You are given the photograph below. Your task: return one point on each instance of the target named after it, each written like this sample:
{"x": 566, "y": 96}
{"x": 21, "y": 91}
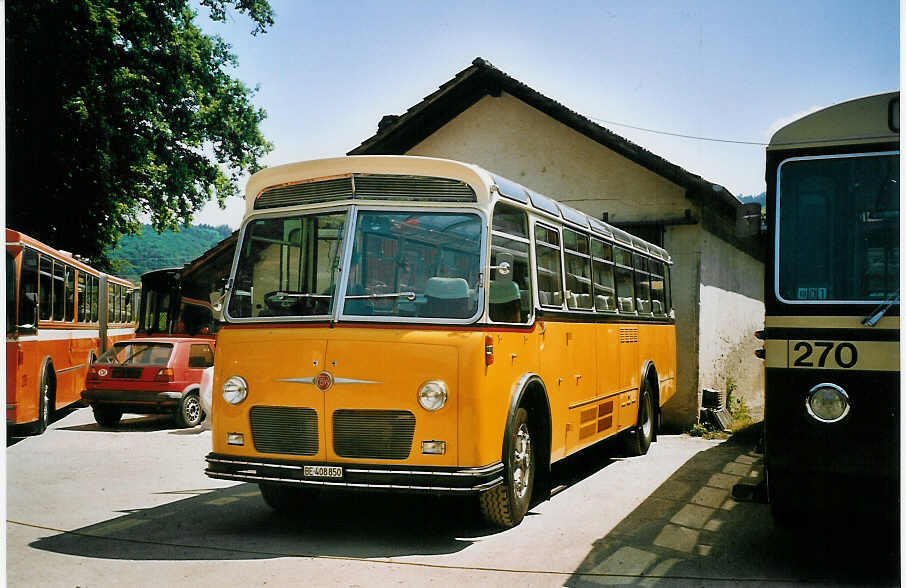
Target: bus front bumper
{"x": 382, "y": 478}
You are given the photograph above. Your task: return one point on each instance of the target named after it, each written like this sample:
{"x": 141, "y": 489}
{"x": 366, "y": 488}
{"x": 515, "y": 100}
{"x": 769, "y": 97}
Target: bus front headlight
{"x": 235, "y": 389}
{"x": 827, "y": 403}
{"x": 432, "y": 395}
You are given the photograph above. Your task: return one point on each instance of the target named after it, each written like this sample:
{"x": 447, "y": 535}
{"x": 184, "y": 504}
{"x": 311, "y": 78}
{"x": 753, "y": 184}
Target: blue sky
{"x": 328, "y": 71}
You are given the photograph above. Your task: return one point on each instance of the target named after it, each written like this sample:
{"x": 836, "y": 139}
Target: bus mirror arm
{"x": 504, "y": 267}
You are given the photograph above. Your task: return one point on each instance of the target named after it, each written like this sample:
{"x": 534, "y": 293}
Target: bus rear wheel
{"x": 506, "y": 505}
{"x": 638, "y": 439}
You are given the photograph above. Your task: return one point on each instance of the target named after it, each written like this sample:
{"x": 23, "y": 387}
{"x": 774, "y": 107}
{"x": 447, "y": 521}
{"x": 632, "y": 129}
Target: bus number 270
{"x": 817, "y": 353}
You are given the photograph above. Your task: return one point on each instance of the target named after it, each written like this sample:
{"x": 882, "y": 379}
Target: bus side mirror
{"x": 748, "y": 220}
{"x": 504, "y": 267}
{"x": 217, "y": 297}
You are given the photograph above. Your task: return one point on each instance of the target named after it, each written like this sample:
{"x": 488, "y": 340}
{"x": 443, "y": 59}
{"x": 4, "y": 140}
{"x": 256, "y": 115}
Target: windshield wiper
{"x": 282, "y": 294}
{"x": 410, "y": 296}
{"x": 876, "y": 315}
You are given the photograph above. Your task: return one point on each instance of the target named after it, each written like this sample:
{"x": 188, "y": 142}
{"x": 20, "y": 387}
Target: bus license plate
{"x": 322, "y": 471}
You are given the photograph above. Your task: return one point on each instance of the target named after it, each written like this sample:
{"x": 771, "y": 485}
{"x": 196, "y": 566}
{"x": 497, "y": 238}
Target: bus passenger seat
{"x": 625, "y": 304}
{"x": 584, "y": 300}
{"x": 447, "y": 297}
{"x": 504, "y": 302}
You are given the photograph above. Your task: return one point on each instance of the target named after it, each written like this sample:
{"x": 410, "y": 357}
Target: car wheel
{"x": 285, "y": 499}
{"x": 638, "y": 439}
{"x": 106, "y": 416}
{"x": 506, "y": 504}
{"x": 189, "y": 413}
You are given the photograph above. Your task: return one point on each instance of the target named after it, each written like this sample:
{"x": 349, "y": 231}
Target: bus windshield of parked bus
{"x": 403, "y": 264}
{"x": 838, "y": 228}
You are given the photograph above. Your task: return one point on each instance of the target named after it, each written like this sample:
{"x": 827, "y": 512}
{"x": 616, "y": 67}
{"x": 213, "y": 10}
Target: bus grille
{"x": 376, "y": 434}
{"x": 284, "y": 429}
{"x": 367, "y": 187}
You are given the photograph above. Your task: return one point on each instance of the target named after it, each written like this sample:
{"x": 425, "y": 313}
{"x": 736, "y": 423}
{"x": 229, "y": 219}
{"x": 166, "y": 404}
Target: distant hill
{"x": 759, "y": 198}
{"x": 150, "y": 250}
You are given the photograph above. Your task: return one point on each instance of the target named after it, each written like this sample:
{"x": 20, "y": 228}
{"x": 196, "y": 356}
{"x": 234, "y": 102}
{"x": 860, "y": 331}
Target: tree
{"x": 121, "y": 108}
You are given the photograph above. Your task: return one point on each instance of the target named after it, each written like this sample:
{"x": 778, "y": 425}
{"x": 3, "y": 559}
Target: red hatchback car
{"x": 149, "y": 376}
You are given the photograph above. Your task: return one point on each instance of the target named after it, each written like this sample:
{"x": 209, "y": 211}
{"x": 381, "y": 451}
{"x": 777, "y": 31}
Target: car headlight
{"x": 235, "y": 389}
{"x": 432, "y": 395}
{"x": 827, "y": 403}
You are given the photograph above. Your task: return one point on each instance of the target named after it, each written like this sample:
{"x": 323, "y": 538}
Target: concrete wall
{"x": 684, "y": 242}
{"x": 732, "y": 309}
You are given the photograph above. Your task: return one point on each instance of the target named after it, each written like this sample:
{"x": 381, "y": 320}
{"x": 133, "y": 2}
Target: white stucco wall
{"x": 732, "y": 309}
{"x": 507, "y": 136}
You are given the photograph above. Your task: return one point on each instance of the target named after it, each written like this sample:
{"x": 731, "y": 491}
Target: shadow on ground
{"x": 130, "y": 424}
{"x": 234, "y": 523}
{"x": 691, "y": 532}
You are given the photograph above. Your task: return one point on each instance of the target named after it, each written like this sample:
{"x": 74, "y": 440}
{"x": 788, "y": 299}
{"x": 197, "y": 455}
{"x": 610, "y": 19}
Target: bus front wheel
{"x": 506, "y": 505}
{"x": 45, "y": 398}
{"x": 284, "y": 499}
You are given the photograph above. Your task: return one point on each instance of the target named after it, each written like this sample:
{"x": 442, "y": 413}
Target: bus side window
{"x": 69, "y": 312}
{"x": 602, "y": 273}
{"x": 510, "y": 300}
{"x": 28, "y": 292}
{"x": 58, "y": 289}
{"x": 46, "y": 289}
{"x": 82, "y": 298}
{"x": 624, "y": 281}
{"x": 547, "y": 262}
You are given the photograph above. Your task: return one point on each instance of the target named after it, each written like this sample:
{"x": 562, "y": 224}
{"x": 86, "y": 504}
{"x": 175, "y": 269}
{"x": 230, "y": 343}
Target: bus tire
{"x": 45, "y": 397}
{"x": 505, "y": 505}
{"x": 638, "y": 439}
{"x": 189, "y": 413}
{"x": 106, "y": 416}
{"x": 284, "y": 499}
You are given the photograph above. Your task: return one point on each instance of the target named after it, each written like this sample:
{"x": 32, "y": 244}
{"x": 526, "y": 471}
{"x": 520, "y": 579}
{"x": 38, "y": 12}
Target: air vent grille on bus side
{"x": 373, "y": 434}
{"x": 368, "y": 187}
{"x": 284, "y": 429}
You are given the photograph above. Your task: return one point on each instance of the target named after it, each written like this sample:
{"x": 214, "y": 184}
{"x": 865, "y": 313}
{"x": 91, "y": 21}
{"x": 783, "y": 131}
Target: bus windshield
{"x": 287, "y": 266}
{"x": 838, "y": 229}
{"x": 414, "y": 264}
{"x": 403, "y": 264}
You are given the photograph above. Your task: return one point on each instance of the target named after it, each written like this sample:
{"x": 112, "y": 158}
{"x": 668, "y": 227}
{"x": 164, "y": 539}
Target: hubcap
{"x": 45, "y": 402}
{"x": 522, "y": 460}
{"x": 193, "y": 410}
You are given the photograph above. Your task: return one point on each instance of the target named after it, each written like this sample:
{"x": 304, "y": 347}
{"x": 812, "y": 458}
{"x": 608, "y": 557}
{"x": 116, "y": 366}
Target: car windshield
{"x": 838, "y": 229}
{"x": 414, "y": 264}
{"x": 137, "y": 353}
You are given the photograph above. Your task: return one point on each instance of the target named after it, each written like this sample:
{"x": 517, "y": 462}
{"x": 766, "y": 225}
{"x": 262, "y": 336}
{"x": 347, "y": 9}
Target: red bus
{"x": 60, "y": 315}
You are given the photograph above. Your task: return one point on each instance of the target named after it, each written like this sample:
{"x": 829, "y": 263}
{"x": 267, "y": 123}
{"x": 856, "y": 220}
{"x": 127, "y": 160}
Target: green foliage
{"x": 121, "y": 110}
{"x": 698, "y": 430}
{"x": 148, "y": 250}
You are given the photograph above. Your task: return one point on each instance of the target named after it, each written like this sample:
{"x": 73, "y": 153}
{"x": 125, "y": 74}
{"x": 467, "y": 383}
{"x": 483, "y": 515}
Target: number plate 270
{"x": 823, "y": 354}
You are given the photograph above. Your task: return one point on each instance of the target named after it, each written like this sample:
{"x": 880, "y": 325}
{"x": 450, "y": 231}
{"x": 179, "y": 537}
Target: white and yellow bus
{"x": 422, "y": 325}
{"x": 832, "y": 305}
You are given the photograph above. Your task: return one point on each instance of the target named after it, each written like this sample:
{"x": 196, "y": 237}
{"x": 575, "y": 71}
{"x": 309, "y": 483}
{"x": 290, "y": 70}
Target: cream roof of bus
{"x": 480, "y": 179}
{"x": 860, "y": 121}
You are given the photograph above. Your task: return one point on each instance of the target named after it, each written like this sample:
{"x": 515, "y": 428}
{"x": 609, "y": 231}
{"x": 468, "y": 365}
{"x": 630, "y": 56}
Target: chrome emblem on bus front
{"x": 323, "y": 381}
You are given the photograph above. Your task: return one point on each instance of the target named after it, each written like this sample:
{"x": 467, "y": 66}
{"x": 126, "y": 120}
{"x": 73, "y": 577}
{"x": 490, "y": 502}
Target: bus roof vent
{"x": 307, "y": 193}
{"x": 367, "y": 187}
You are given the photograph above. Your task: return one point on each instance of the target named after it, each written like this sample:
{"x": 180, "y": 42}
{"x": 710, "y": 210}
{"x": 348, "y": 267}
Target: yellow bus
{"x": 413, "y": 324}
{"x": 832, "y": 306}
